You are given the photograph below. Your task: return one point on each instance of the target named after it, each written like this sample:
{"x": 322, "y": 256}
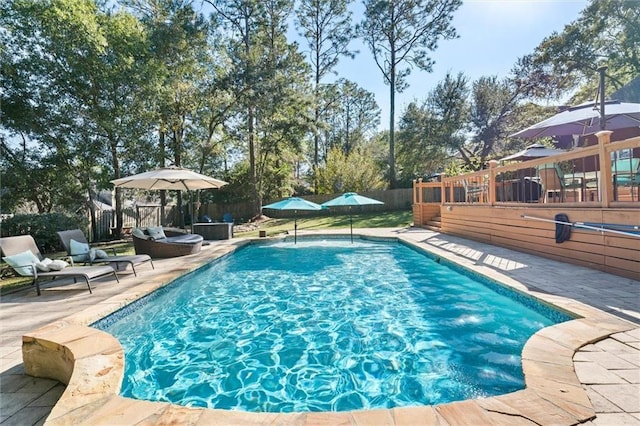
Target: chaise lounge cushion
{"x": 22, "y": 262}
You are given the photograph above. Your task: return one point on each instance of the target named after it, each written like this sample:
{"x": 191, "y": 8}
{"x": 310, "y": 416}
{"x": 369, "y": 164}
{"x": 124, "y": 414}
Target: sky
{"x": 493, "y": 34}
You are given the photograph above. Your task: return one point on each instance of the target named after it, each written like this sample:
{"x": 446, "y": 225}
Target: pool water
{"x": 325, "y": 326}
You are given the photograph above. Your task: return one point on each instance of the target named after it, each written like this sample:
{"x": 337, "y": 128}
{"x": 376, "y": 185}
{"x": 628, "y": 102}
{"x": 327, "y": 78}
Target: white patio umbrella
{"x": 535, "y": 150}
{"x": 584, "y": 119}
{"x": 350, "y": 199}
{"x": 174, "y": 178}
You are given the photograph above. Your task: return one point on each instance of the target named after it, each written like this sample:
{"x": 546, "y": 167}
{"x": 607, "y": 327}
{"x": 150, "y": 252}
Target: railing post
{"x": 606, "y": 180}
{"x": 443, "y": 190}
{"x": 492, "y": 179}
{"x": 417, "y": 199}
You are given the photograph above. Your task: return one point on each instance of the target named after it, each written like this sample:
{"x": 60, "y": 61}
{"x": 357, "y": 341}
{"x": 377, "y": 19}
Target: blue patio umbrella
{"x": 350, "y": 199}
{"x": 295, "y": 204}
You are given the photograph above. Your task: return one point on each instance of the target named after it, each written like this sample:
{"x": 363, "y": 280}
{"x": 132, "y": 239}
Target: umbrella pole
{"x": 191, "y": 208}
{"x": 295, "y": 228}
{"x": 351, "y": 224}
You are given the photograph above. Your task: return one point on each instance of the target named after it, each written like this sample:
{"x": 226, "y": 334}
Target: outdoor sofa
{"x": 162, "y": 243}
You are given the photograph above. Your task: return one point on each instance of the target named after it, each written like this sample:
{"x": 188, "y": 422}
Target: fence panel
{"x": 393, "y": 199}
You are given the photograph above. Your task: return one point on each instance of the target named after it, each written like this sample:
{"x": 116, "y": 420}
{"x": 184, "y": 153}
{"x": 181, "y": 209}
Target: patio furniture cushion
{"x": 156, "y": 232}
{"x": 80, "y": 252}
{"x": 22, "y": 262}
{"x": 627, "y": 171}
{"x": 74, "y": 242}
{"x": 174, "y": 244}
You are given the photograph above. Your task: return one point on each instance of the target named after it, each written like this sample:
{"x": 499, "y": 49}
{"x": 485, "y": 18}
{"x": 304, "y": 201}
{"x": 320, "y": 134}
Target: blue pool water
{"x": 325, "y": 326}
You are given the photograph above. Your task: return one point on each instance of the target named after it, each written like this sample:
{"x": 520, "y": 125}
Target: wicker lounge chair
{"x": 78, "y": 235}
{"x": 15, "y": 246}
{"x": 175, "y": 244}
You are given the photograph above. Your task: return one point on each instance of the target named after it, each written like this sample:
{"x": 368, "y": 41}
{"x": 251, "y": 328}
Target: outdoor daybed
{"x": 161, "y": 243}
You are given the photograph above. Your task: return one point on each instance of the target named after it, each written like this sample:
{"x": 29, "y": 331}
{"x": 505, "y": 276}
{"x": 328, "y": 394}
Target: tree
{"x": 326, "y": 26}
{"x": 79, "y": 72}
{"x": 243, "y": 19}
{"x": 430, "y": 134}
{"x": 355, "y": 172}
{"x": 404, "y": 32}
{"x": 270, "y": 82}
{"x": 493, "y": 104}
{"x": 353, "y": 116}
{"x": 606, "y": 33}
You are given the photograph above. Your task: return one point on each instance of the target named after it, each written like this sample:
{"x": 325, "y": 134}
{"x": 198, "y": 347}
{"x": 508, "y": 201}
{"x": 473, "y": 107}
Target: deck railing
{"x": 603, "y": 175}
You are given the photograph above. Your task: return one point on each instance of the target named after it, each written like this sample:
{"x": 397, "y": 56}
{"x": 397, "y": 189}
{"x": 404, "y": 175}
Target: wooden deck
{"x": 506, "y": 206}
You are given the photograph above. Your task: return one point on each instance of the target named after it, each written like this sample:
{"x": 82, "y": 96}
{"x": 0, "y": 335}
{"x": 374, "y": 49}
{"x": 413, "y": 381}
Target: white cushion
{"x": 21, "y": 262}
{"x": 139, "y": 233}
{"x": 100, "y": 254}
{"x": 43, "y": 266}
{"x": 58, "y": 265}
{"x": 156, "y": 232}
{"x": 79, "y": 251}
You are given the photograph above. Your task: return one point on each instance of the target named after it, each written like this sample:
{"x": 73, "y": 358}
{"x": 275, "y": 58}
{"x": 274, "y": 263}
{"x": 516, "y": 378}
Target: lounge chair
{"x": 164, "y": 243}
{"x": 474, "y": 191}
{"x": 83, "y": 255}
{"x": 554, "y": 183}
{"x": 23, "y": 252}
{"x": 626, "y": 173}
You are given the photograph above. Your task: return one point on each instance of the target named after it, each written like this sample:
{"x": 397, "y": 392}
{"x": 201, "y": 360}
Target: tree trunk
{"x": 392, "y": 108}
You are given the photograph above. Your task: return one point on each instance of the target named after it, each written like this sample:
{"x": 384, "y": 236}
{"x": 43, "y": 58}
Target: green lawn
{"x": 272, "y": 226}
{"x": 370, "y": 220}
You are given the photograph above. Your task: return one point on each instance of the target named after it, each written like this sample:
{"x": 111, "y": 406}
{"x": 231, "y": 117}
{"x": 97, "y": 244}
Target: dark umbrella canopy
{"x": 584, "y": 119}
{"x": 350, "y": 199}
{"x": 535, "y": 150}
{"x": 295, "y": 204}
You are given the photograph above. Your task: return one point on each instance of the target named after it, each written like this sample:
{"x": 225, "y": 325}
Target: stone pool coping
{"x": 91, "y": 363}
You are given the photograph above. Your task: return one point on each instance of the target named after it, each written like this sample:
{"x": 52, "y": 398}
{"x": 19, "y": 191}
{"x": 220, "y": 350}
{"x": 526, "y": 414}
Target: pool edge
{"x": 91, "y": 363}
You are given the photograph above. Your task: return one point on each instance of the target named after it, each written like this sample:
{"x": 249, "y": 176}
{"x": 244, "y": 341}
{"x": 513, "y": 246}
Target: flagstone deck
{"x": 585, "y": 370}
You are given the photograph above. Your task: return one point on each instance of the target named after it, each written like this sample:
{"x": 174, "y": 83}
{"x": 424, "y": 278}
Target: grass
{"x": 370, "y": 220}
{"x": 272, "y": 226}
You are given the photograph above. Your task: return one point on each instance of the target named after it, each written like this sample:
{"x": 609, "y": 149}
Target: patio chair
{"x": 626, "y": 173}
{"x": 474, "y": 191}
{"x": 82, "y": 252}
{"x": 23, "y": 255}
{"x": 553, "y": 182}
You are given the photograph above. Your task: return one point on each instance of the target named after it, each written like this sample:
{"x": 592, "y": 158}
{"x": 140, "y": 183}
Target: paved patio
{"x": 609, "y": 369}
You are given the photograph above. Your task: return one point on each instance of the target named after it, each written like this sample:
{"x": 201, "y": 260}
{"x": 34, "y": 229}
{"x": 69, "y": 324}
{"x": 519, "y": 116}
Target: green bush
{"x": 42, "y": 227}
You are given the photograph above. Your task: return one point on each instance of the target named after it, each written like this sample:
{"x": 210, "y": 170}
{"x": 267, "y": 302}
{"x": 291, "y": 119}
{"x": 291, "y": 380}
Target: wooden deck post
{"x": 606, "y": 180}
{"x": 492, "y": 181}
{"x": 417, "y": 198}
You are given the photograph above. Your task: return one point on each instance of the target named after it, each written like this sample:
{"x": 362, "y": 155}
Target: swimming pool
{"x": 325, "y": 326}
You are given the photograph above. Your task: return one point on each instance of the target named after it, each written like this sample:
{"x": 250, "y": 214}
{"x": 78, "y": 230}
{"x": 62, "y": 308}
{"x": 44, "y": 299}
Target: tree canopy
{"x": 91, "y": 91}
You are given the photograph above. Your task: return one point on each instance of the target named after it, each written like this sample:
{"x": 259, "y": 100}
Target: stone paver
{"x": 608, "y": 369}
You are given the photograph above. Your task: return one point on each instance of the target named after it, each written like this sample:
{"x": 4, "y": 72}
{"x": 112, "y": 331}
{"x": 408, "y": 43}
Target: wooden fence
{"x": 150, "y": 215}
{"x": 393, "y": 199}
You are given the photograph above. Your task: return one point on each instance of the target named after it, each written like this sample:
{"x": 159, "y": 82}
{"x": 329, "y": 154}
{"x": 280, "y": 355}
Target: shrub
{"x": 42, "y": 227}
